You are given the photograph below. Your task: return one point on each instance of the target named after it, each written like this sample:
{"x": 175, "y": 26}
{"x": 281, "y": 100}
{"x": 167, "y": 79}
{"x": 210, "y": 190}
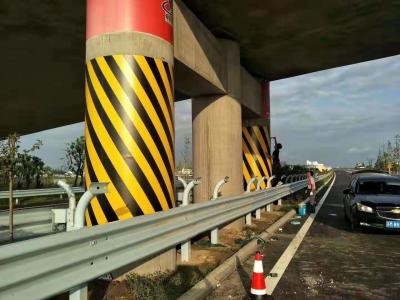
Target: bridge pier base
{"x": 130, "y": 112}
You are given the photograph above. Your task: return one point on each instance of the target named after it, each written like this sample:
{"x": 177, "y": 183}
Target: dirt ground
{"x": 205, "y": 257}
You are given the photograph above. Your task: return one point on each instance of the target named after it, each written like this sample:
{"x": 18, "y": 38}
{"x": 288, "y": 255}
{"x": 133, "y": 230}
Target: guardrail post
{"x": 186, "y": 246}
{"x": 96, "y": 188}
{"x": 214, "y": 232}
{"x": 248, "y": 190}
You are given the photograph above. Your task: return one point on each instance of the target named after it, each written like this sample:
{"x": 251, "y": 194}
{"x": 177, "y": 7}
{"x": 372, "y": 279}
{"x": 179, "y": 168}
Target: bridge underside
{"x": 42, "y": 73}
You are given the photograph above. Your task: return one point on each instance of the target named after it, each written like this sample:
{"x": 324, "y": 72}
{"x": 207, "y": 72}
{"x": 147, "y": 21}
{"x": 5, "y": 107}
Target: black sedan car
{"x": 373, "y": 200}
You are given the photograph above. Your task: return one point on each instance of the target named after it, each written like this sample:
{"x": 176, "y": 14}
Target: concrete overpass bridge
{"x": 139, "y": 57}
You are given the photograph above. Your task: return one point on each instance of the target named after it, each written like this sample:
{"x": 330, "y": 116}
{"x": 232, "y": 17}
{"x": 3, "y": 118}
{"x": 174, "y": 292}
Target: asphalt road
{"x": 335, "y": 263}
{"x": 331, "y": 263}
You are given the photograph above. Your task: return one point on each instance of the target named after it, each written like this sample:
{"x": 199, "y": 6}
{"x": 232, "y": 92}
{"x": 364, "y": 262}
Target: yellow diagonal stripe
{"x": 138, "y": 123}
{"x": 252, "y": 163}
{"x": 247, "y": 176}
{"x": 255, "y": 150}
{"x": 263, "y": 145}
{"x": 141, "y": 61}
{"x": 117, "y": 160}
{"x": 127, "y": 139}
{"x": 165, "y": 80}
{"x": 87, "y": 217}
{"x": 267, "y": 137}
{"x": 97, "y": 211}
{"x": 113, "y": 196}
{"x": 144, "y": 99}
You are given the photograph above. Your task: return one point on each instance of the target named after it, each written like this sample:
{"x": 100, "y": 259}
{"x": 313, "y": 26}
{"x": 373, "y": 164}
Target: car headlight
{"x": 364, "y": 208}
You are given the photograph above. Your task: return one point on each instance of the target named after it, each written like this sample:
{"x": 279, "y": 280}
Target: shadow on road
{"x": 244, "y": 278}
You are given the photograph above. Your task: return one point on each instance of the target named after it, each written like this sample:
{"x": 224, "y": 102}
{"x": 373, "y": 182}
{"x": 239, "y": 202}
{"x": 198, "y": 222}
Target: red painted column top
{"x": 147, "y": 16}
{"x": 265, "y": 100}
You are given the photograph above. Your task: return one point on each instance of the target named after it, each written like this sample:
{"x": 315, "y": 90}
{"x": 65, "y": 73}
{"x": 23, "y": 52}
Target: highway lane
{"x": 28, "y": 222}
{"x": 331, "y": 263}
{"x": 335, "y": 263}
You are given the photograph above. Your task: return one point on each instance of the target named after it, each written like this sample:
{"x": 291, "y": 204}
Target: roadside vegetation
{"x": 389, "y": 157}
{"x": 23, "y": 169}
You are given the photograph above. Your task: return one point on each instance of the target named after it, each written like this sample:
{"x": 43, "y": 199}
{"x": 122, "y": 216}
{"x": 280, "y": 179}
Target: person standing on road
{"x": 311, "y": 190}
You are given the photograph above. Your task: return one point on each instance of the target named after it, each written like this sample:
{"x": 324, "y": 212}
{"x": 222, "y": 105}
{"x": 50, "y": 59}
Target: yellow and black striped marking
{"x": 129, "y": 136}
{"x": 256, "y": 147}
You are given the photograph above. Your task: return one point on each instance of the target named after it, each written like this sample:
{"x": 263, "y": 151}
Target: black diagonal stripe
{"x": 128, "y": 198}
{"x": 264, "y": 156}
{"x": 249, "y": 169}
{"x": 169, "y": 75}
{"x": 150, "y": 93}
{"x": 91, "y": 215}
{"x": 254, "y": 156}
{"x": 264, "y": 135}
{"x": 137, "y": 137}
{"x": 152, "y": 64}
{"x": 246, "y": 165}
{"x": 133, "y": 132}
{"x": 103, "y": 199}
{"x": 124, "y": 151}
{"x": 139, "y": 109}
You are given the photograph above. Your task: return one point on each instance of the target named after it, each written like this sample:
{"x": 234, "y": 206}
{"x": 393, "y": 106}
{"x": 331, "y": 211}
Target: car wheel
{"x": 354, "y": 225}
{"x": 345, "y": 213}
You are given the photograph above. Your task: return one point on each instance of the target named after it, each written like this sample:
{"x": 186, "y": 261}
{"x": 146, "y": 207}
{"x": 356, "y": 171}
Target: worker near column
{"x": 311, "y": 190}
{"x": 276, "y": 163}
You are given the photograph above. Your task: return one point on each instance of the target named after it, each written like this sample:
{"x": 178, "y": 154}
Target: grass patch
{"x": 164, "y": 285}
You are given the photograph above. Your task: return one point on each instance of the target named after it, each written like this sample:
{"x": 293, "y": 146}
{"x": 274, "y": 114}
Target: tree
{"x": 186, "y": 152}
{"x": 75, "y": 157}
{"x": 8, "y": 158}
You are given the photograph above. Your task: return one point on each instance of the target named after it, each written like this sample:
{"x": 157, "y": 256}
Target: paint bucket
{"x": 302, "y": 210}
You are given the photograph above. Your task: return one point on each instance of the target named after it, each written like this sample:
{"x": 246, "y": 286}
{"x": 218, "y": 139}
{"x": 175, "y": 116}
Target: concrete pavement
{"x": 331, "y": 263}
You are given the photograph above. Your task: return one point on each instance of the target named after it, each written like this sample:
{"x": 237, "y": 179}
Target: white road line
{"x": 284, "y": 260}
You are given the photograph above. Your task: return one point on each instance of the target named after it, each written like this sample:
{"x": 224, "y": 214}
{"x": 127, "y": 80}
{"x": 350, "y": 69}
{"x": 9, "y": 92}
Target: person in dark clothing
{"x": 276, "y": 163}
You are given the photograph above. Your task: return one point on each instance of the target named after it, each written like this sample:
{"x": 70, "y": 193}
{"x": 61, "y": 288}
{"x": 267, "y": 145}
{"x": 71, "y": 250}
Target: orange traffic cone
{"x": 258, "y": 289}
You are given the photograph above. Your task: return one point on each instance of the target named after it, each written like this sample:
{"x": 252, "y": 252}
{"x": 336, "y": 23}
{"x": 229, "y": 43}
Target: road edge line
{"x": 286, "y": 257}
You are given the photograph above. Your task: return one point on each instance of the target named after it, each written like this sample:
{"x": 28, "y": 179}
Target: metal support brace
{"x": 96, "y": 188}
{"x": 186, "y": 246}
{"x": 179, "y": 194}
{"x": 71, "y": 205}
{"x": 218, "y": 187}
{"x": 258, "y": 211}
{"x": 269, "y": 185}
{"x": 188, "y": 188}
{"x": 250, "y": 183}
{"x": 183, "y": 181}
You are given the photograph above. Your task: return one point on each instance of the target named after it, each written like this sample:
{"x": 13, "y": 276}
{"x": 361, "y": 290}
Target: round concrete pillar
{"x": 130, "y": 110}
{"x": 217, "y": 145}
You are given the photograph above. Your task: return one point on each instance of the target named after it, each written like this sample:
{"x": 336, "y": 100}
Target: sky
{"x": 338, "y": 116}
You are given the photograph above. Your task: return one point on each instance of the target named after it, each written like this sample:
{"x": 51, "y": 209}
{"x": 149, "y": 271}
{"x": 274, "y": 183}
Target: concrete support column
{"x": 130, "y": 111}
{"x": 217, "y": 145}
{"x": 257, "y": 143}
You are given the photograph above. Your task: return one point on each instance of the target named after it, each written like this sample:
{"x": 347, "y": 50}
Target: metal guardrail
{"x": 38, "y": 192}
{"x": 46, "y": 266}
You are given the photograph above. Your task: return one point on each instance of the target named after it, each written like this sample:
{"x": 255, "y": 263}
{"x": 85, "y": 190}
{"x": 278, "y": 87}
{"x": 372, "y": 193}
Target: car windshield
{"x": 379, "y": 187}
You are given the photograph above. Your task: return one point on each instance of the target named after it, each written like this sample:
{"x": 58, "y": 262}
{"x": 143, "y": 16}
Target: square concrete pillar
{"x": 217, "y": 146}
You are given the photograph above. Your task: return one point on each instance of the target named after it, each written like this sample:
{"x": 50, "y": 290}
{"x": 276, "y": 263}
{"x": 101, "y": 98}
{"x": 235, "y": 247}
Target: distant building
{"x": 185, "y": 172}
{"x": 360, "y": 166}
{"x": 316, "y": 165}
